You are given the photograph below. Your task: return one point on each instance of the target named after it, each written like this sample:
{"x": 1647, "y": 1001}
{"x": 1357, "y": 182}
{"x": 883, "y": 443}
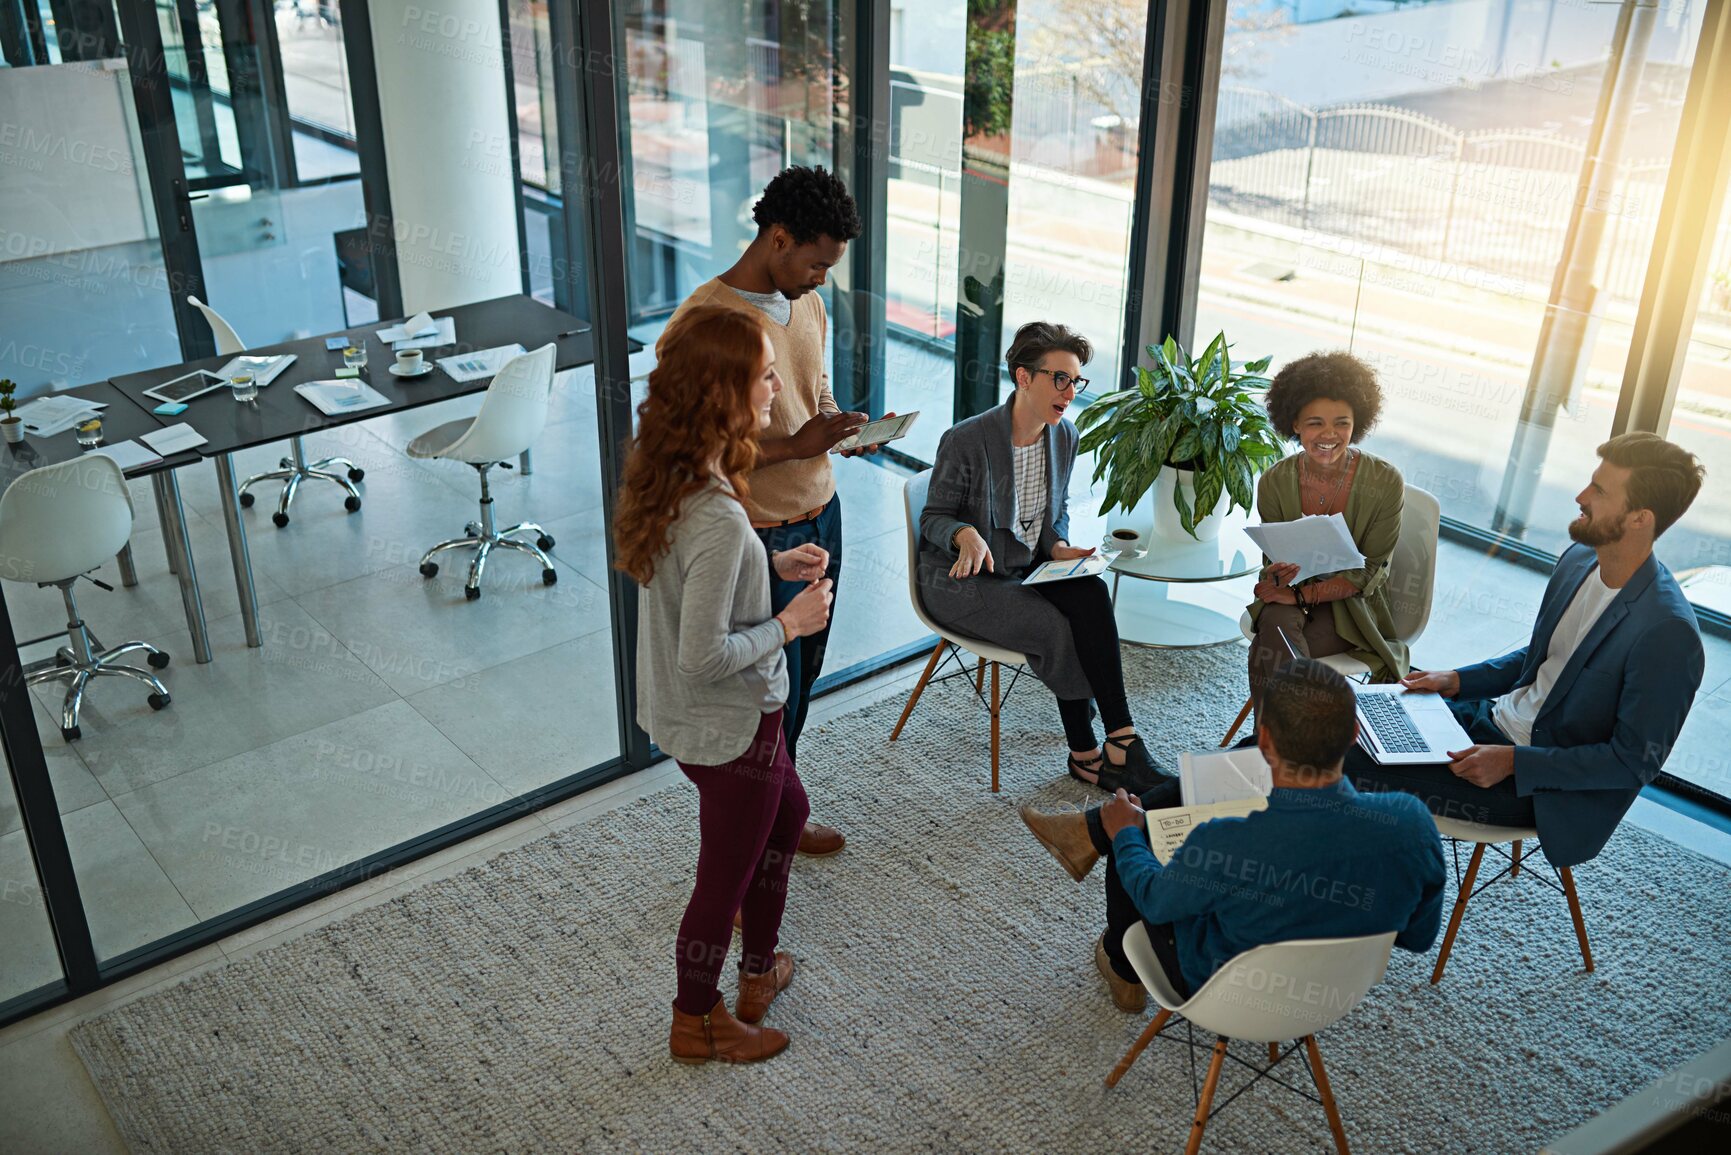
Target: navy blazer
{"x": 974, "y": 483}
{"x": 1616, "y": 709}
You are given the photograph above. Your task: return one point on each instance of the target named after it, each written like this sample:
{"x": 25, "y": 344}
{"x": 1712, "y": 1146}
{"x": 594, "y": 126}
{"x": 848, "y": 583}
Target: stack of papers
{"x": 1216, "y": 784}
{"x": 480, "y": 363}
{"x": 420, "y": 332}
{"x": 264, "y": 369}
{"x": 172, "y": 439}
{"x": 1316, "y": 545}
{"x": 334, "y": 398}
{"x": 55, "y": 413}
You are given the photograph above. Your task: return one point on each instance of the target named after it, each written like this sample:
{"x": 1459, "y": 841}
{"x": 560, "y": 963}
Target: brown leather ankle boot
{"x": 756, "y": 992}
{"x": 719, "y": 1036}
{"x": 1066, "y": 837}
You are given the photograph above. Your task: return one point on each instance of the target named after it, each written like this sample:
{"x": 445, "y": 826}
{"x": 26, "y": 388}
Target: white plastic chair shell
{"x": 62, "y": 520}
{"x": 513, "y": 413}
{"x": 227, "y": 340}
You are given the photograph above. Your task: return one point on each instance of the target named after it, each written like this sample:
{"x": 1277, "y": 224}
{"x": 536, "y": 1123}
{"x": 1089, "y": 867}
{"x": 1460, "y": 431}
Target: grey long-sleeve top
{"x": 709, "y": 652}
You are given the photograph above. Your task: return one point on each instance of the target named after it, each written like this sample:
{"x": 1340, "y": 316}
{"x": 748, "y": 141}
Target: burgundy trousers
{"x": 750, "y": 815}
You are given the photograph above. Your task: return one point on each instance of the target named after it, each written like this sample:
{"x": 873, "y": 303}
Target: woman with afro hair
{"x": 1326, "y": 403}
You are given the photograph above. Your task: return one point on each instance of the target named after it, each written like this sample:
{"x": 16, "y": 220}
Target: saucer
{"x": 426, "y": 367}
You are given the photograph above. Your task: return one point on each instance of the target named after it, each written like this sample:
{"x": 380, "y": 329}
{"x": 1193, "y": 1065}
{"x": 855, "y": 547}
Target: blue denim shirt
{"x": 1327, "y": 862}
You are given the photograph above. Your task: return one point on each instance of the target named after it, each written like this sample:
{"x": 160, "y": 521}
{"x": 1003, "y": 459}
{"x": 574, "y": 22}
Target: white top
{"x": 1030, "y": 491}
{"x": 1515, "y": 712}
{"x": 775, "y": 306}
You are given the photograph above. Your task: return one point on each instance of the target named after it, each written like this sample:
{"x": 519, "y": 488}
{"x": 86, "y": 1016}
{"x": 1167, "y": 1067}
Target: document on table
{"x": 1315, "y": 544}
{"x": 444, "y": 332}
{"x": 420, "y": 325}
{"x": 1059, "y": 571}
{"x": 172, "y": 439}
{"x": 55, "y": 413}
{"x": 335, "y": 398}
{"x": 1223, "y": 776}
{"x": 128, "y": 455}
{"x": 1167, "y": 829}
{"x": 481, "y": 363}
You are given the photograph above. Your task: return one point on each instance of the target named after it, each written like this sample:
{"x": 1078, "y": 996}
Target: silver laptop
{"x": 1399, "y": 728}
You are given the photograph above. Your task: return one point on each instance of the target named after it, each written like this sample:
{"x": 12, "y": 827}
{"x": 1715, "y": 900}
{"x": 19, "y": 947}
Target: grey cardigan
{"x": 974, "y": 483}
{"x": 709, "y": 652}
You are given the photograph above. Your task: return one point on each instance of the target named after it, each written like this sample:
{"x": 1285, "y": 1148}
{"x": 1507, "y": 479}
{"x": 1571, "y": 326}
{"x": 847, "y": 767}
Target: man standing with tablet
{"x": 805, "y": 219}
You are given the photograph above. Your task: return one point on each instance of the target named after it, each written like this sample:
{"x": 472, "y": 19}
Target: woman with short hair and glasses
{"x": 997, "y": 507}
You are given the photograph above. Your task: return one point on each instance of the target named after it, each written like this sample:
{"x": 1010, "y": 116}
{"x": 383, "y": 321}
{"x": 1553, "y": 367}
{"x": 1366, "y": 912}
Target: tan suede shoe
{"x": 1127, "y": 997}
{"x": 756, "y": 992}
{"x": 719, "y": 1036}
{"x": 819, "y": 841}
{"x": 1066, "y": 836}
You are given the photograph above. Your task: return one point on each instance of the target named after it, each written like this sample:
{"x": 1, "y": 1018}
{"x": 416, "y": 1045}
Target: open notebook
{"x": 1217, "y": 784}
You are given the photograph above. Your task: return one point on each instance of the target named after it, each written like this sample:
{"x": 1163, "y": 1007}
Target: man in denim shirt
{"x": 1322, "y": 861}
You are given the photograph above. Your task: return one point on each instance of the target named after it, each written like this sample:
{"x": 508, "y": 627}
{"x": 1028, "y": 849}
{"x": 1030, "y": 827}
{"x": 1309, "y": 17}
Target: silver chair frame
{"x": 483, "y": 538}
{"x": 84, "y": 659}
{"x": 295, "y": 469}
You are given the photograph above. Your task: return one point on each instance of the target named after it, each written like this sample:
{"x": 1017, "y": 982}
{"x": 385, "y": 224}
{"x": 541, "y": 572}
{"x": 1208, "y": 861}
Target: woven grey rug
{"x": 945, "y": 999}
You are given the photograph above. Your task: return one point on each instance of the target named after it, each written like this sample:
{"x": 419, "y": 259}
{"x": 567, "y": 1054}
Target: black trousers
{"x": 1121, "y": 912}
{"x": 1087, "y": 604}
{"x": 1436, "y": 785}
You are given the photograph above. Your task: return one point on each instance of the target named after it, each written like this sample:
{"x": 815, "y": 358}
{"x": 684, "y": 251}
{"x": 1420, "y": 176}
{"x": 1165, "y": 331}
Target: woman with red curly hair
{"x": 712, "y": 681}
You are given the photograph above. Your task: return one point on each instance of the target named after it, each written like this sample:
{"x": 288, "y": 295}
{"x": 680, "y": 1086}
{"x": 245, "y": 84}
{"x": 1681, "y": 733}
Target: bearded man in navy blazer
{"x": 1567, "y": 729}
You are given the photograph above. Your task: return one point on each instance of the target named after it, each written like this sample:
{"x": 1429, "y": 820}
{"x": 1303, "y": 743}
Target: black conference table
{"x": 122, "y": 420}
{"x": 280, "y": 413}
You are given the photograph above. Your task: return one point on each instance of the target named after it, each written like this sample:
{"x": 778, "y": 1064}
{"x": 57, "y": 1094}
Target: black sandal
{"x": 1139, "y": 773}
{"x": 1093, "y": 765}
{"x": 1109, "y": 778}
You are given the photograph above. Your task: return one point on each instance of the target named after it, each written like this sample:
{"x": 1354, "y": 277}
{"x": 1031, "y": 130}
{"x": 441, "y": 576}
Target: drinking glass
{"x": 90, "y": 433}
{"x": 355, "y": 356}
{"x": 244, "y": 386}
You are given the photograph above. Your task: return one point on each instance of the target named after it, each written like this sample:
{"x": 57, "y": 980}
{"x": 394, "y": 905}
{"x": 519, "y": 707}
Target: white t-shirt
{"x": 1515, "y": 712}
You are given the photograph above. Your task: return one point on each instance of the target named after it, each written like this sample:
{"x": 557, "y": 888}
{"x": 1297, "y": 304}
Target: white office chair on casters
{"x": 1481, "y": 836}
{"x": 58, "y": 523}
{"x": 1271, "y": 994}
{"x": 950, "y": 643}
{"x": 512, "y": 416}
{"x": 293, "y": 469}
{"x": 1411, "y": 587}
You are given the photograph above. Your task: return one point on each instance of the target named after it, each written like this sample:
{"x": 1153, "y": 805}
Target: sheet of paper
{"x": 1060, "y": 571}
{"x": 1207, "y": 777}
{"x": 1315, "y": 544}
{"x": 264, "y": 369}
{"x": 339, "y": 397}
{"x": 444, "y": 333}
{"x": 420, "y": 325}
{"x": 1167, "y": 829}
{"x": 172, "y": 439}
{"x": 128, "y": 454}
{"x": 481, "y": 363}
{"x": 54, "y": 413}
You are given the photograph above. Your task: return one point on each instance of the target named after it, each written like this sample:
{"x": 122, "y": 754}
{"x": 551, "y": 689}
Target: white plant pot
{"x": 13, "y": 431}
{"x": 1166, "y": 525}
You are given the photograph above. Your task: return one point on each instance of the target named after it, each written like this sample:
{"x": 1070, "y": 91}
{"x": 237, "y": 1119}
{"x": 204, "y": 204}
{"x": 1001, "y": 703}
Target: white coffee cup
{"x": 409, "y": 361}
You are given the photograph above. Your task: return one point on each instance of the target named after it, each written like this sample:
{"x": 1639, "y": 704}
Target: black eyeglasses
{"x": 1062, "y": 380}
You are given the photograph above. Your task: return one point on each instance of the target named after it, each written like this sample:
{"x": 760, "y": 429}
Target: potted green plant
{"x": 1197, "y": 427}
{"x": 10, "y": 425}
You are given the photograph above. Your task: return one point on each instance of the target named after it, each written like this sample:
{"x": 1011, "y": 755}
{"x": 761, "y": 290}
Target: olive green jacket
{"x": 1373, "y": 507}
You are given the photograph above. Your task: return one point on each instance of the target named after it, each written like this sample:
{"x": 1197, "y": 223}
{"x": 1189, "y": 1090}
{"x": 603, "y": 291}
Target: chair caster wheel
{"x": 158, "y": 701}
{"x": 357, "y": 474}
{"x": 279, "y": 519}
{"x": 352, "y": 503}
{"x": 544, "y": 542}
{"x": 284, "y": 463}
{"x": 62, "y": 660}
{"x": 471, "y": 592}
{"x": 549, "y": 576}
{"x": 158, "y": 660}
{"x": 246, "y": 501}
{"x": 429, "y": 569}
{"x": 471, "y": 528}
{"x": 71, "y": 733}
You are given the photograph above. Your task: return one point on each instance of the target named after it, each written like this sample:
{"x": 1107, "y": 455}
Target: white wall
{"x": 447, "y": 150}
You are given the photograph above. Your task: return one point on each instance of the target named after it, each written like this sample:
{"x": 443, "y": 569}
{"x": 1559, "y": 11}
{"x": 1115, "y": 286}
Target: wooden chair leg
{"x": 1568, "y": 878}
{"x": 1515, "y": 866}
{"x": 920, "y": 688}
{"x": 994, "y": 727}
{"x": 1200, "y": 1123}
{"x": 1236, "y": 722}
{"x": 1466, "y": 891}
{"x": 980, "y": 677}
{"x": 1136, "y": 1048}
{"x": 1273, "y": 1053}
{"x": 1326, "y": 1094}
